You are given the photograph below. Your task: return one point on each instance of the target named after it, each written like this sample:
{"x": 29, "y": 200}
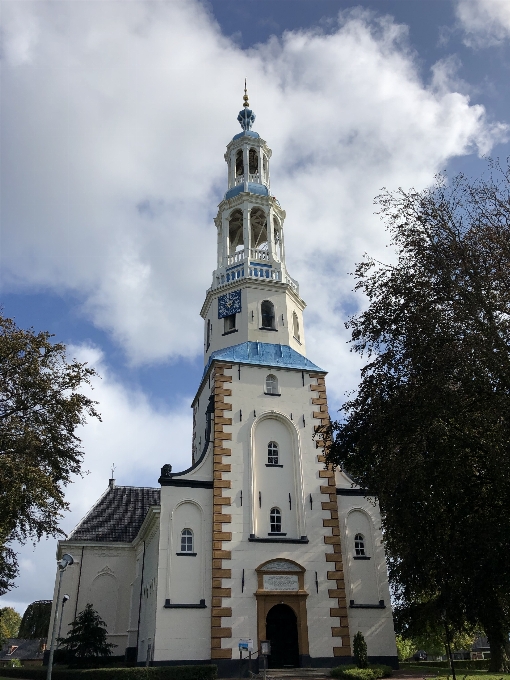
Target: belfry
{"x": 257, "y": 539}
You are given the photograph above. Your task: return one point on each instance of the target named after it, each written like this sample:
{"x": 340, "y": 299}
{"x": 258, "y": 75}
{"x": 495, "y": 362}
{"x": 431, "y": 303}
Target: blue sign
{"x": 228, "y": 304}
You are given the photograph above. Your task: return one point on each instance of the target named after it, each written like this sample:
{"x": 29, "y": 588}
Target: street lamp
{"x": 66, "y": 560}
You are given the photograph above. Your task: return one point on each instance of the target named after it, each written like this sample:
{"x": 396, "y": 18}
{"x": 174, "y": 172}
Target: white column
{"x": 260, "y": 155}
{"x": 225, "y": 239}
{"x": 246, "y": 231}
{"x": 270, "y": 234}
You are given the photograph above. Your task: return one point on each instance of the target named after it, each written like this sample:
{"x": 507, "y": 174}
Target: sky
{"x": 114, "y": 117}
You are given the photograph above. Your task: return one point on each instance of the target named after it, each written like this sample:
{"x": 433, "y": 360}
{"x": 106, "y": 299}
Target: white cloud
{"x": 114, "y": 121}
{"x": 485, "y": 22}
{"x": 136, "y": 437}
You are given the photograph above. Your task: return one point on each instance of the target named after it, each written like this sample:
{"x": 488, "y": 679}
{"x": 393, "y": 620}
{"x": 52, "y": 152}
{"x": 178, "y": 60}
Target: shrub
{"x": 206, "y": 672}
{"x": 373, "y": 672}
{"x": 360, "y": 650}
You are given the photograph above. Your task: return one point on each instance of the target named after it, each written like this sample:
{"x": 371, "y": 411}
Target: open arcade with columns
{"x": 257, "y": 539}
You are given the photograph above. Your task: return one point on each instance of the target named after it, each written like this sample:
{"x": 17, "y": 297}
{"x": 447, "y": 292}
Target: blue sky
{"x": 113, "y": 121}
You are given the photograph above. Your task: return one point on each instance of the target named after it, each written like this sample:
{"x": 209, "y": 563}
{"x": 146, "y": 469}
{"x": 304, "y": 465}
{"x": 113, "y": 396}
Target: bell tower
{"x": 252, "y": 296}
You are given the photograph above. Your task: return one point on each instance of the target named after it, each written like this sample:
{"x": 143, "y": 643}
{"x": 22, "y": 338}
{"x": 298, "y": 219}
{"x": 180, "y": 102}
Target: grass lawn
{"x": 461, "y": 673}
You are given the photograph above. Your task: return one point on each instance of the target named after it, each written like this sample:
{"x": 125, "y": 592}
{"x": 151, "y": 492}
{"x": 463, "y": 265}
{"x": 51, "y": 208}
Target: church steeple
{"x": 252, "y": 292}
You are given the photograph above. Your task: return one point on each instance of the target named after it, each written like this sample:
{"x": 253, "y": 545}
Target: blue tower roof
{"x": 251, "y": 187}
{"x": 263, "y": 354}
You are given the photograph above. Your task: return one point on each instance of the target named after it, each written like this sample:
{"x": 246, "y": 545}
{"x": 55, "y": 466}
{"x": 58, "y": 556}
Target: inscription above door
{"x": 280, "y": 582}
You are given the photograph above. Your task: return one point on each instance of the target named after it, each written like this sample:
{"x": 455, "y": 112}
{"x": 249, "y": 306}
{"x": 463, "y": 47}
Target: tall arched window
{"x": 295, "y": 326}
{"x": 208, "y": 334}
{"x": 253, "y": 158}
{"x": 359, "y": 545}
{"x": 186, "y": 541}
{"x": 267, "y": 312}
{"x": 275, "y": 519}
{"x": 271, "y": 384}
{"x": 239, "y": 163}
{"x": 272, "y": 453}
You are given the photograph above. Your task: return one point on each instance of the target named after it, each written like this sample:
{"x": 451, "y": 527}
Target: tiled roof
{"x": 29, "y": 650}
{"x": 264, "y": 354}
{"x": 117, "y": 516}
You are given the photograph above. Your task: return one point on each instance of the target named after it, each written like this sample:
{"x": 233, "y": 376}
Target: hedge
{"x": 373, "y": 672}
{"x": 461, "y": 664}
{"x": 208, "y": 672}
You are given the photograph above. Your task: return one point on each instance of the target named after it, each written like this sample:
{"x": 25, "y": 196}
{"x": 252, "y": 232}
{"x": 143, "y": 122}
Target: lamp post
{"x": 66, "y": 560}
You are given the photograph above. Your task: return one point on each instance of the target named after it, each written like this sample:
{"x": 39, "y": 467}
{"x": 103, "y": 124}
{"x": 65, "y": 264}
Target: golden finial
{"x": 245, "y": 102}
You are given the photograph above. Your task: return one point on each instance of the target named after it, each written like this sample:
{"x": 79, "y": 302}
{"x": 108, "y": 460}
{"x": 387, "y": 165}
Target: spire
{"x": 246, "y": 116}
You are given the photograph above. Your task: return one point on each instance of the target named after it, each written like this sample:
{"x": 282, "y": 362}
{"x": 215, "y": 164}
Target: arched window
{"x": 267, "y": 312}
{"x": 272, "y": 453}
{"x": 295, "y": 326}
{"x": 275, "y": 519}
{"x": 208, "y": 334}
{"x": 271, "y": 384}
{"x": 359, "y": 545}
{"x": 253, "y": 161}
{"x": 239, "y": 163}
{"x": 186, "y": 541}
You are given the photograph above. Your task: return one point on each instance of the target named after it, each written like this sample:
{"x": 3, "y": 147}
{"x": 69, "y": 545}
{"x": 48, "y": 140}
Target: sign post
{"x": 265, "y": 650}
{"x": 245, "y": 644}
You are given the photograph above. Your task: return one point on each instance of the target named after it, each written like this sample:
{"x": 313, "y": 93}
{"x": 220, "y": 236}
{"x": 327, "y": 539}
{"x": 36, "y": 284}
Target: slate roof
{"x": 28, "y": 650}
{"x": 117, "y": 516}
{"x": 264, "y": 354}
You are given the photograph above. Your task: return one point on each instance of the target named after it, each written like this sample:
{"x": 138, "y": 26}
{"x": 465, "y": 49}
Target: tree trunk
{"x": 497, "y": 635}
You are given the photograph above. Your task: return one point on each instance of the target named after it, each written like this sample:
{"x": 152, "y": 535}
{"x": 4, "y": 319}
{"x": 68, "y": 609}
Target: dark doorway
{"x": 281, "y": 630}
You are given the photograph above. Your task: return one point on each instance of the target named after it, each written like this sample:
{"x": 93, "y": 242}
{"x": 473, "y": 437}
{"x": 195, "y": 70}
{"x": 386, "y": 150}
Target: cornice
{"x": 248, "y": 282}
{"x": 254, "y": 199}
{"x": 248, "y": 141}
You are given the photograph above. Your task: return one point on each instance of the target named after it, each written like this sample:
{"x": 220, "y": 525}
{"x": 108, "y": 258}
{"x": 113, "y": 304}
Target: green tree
{"x": 9, "y": 623}
{"x": 360, "y": 650}
{"x": 405, "y": 648}
{"x": 428, "y": 431}
{"x": 40, "y": 409}
{"x": 36, "y": 620}
{"x": 87, "y": 637}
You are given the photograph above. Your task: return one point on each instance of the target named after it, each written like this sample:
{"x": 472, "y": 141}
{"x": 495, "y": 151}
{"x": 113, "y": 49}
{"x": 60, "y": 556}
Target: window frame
{"x": 227, "y": 320}
{"x": 184, "y": 546}
{"x": 276, "y": 522}
{"x": 272, "y": 391}
{"x": 360, "y": 551}
{"x": 263, "y": 315}
{"x": 273, "y": 459}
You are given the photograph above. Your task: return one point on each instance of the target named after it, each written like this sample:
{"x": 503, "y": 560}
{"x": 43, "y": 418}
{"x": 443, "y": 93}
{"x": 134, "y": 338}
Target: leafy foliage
{"x": 87, "y": 637}
{"x": 428, "y": 431}
{"x": 360, "y": 650}
{"x": 36, "y": 620}
{"x": 405, "y": 648}
{"x": 40, "y": 409}
{"x": 9, "y": 623}
{"x": 371, "y": 672}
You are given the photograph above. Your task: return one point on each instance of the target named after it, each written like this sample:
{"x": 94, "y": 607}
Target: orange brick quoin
{"x": 220, "y": 615}
{"x": 335, "y": 574}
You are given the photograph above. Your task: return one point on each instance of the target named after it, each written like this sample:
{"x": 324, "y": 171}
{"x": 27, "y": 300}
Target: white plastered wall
{"x": 185, "y": 633}
{"x": 102, "y": 575}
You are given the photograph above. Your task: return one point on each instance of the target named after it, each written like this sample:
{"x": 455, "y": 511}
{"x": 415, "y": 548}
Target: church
{"x": 257, "y": 539}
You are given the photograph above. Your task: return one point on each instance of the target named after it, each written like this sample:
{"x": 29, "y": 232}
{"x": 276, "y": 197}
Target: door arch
{"x": 282, "y": 631}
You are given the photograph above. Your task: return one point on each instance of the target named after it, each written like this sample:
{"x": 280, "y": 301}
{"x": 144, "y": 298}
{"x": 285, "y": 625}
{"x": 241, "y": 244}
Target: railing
{"x": 292, "y": 283}
{"x": 252, "y": 177}
{"x": 259, "y": 254}
{"x": 238, "y": 256}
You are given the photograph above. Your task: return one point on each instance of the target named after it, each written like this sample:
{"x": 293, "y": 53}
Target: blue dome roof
{"x": 252, "y": 188}
{"x": 246, "y": 133}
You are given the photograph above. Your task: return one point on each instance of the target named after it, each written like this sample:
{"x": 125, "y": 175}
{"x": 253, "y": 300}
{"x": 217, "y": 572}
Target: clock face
{"x": 228, "y": 304}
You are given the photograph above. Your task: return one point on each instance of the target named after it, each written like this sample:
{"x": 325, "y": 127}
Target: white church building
{"x": 256, "y": 539}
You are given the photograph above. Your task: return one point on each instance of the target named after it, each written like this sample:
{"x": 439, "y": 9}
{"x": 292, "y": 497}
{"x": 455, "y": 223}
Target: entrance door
{"x": 281, "y": 630}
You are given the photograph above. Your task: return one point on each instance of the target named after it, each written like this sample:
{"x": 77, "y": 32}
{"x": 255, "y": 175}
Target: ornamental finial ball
{"x": 245, "y": 97}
